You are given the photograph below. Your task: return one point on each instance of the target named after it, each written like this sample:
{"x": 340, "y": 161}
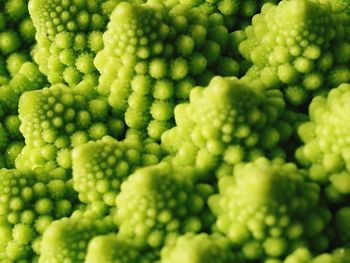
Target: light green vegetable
{"x": 30, "y": 201}
{"x": 228, "y": 122}
{"x": 300, "y": 47}
{"x": 99, "y": 168}
{"x": 268, "y": 209}
{"x": 326, "y": 149}
{"x": 55, "y": 119}
{"x": 66, "y": 240}
{"x": 152, "y": 58}
{"x": 174, "y": 131}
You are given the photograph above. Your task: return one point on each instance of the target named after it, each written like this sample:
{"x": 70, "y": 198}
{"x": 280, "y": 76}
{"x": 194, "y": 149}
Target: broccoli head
{"x": 29, "y": 202}
{"x": 69, "y": 34}
{"x": 228, "y": 122}
{"x": 157, "y": 203}
{"x": 267, "y": 208}
{"x": 144, "y": 75}
{"x": 299, "y": 46}
{"x": 17, "y": 33}
{"x": 67, "y": 239}
{"x": 326, "y": 149}
{"x": 56, "y": 119}
{"x": 100, "y": 167}
{"x": 114, "y": 249}
{"x": 198, "y": 248}
{"x": 26, "y": 77}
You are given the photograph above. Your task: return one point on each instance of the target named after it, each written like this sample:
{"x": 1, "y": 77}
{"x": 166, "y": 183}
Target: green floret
{"x": 26, "y": 76}
{"x": 68, "y": 36}
{"x": 268, "y": 209}
{"x": 15, "y": 61}
{"x": 303, "y": 255}
{"x": 237, "y": 13}
{"x": 9, "y": 42}
{"x": 340, "y": 5}
{"x": 326, "y": 142}
{"x": 16, "y": 30}
{"x": 100, "y": 167}
{"x": 67, "y": 239}
{"x": 300, "y": 255}
{"x": 153, "y": 56}
{"x": 113, "y": 249}
{"x": 157, "y": 203}
{"x": 198, "y": 248}
{"x": 339, "y": 255}
{"x": 55, "y": 119}
{"x": 29, "y": 202}
{"x": 53, "y": 17}
{"x": 228, "y": 122}
{"x": 300, "y": 47}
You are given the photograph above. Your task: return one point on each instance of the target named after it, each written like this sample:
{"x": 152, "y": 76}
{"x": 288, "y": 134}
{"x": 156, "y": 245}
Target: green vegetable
{"x": 55, "y": 119}
{"x": 99, "y": 168}
{"x": 157, "y": 203}
{"x": 30, "y": 201}
{"x": 26, "y": 77}
{"x": 66, "y": 240}
{"x": 103, "y": 249}
{"x": 228, "y": 122}
{"x": 268, "y": 209}
{"x": 300, "y": 47}
{"x": 69, "y": 34}
{"x": 326, "y": 150}
{"x": 144, "y": 75}
{"x": 191, "y": 248}
{"x": 174, "y": 131}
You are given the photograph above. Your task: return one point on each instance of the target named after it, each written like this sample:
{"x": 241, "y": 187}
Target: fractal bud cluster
{"x": 175, "y": 131}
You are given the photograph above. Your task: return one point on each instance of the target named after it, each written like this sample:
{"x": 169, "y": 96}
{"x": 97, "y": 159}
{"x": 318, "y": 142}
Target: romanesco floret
{"x": 268, "y": 209}
{"x": 157, "y": 203}
{"x": 145, "y": 75}
{"x": 16, "y": 30}
{"x": 235, "y": 13}
{"x": 29, "y": 202}
{"x": 326, "y": 136}
{"x": 160, "y": 131}
{"x": 199, "y": 248}
{"x": 69, "y": 34}
{"x": 339, "y": 5}
{"x": 299, "y": 255}
{"x": 100, "y": 167}
{"x": 299, "y": 46}
{"x": 113, "y": 249}
{"x": 228, "y": 122}
{"x": 56, "y": 119}
{"x": 303, "y": 255}
{"x": 67, "y": 239}
{"x": 26, "y": 77}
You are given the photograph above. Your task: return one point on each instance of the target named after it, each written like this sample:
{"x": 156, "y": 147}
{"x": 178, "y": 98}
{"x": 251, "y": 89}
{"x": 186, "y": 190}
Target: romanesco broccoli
{"x": 56, "y": 119}
{"x": 67, "y": 239}
{"x": 29, "y": 202}
{"x": 145, "y": 75}
{"x": 163, "y": 131}
{"x": 268, "y": 208}
{"x": 226, "y": 123}
{"x": 326, "y": 148}
{"x": 99, "y": 168}
{"x": 299, "y": 46}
